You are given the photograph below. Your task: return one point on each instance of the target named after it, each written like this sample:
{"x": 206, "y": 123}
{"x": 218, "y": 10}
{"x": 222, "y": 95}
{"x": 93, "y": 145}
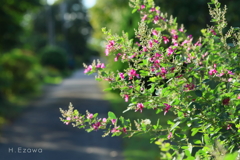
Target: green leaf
{"x": 231, "y": 156}
{"x": 76, "y": 113}
{"x": 122, "y": 120}
{"x": 111, "y": 115}
{"x": 196, "y": 141}
{"x": 98, "y": 79}
{"x": 198, "y": 93}
{"x": 107, "y": 89}
{"x": 175, "y": 125}
{"x": 134, "y": 10}
{"x": 194, "y": 131}
{"x": 95, "y": 115}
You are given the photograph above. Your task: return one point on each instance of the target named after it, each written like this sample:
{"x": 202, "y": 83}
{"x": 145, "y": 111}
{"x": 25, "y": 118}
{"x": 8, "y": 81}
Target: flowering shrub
{"x": 169, "y": 71}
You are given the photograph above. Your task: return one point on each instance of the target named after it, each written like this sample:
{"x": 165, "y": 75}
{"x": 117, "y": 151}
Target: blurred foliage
{"x": 20, "y": 73}
{"x": 71, "y": 28}
{"x": 12, "y": 13}
{"x": 55, "y": 57}
{"x": 117, "y": 15}
{"x": 195, "y": 15}
{"x": 24, "y": 24}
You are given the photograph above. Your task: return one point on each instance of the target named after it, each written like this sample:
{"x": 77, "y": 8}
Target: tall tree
{"x": 72, "y": 27}
{"x": 12, "y": 12}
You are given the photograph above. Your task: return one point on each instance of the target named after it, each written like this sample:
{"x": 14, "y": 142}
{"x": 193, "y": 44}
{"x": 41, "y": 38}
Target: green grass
{"x": 137, "y": 147}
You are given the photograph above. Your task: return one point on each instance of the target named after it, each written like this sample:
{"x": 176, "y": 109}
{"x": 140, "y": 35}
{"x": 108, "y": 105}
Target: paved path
{"x": 39, "y": 129}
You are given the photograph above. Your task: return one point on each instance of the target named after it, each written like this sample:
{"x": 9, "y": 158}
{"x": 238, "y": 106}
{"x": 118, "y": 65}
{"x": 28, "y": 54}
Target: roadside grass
{"x": 137, "y": 147}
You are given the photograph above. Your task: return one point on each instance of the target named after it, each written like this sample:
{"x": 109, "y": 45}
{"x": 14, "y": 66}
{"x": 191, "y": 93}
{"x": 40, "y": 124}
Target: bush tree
{"x": 55, "y": 57}
{"x": 169, "y": 71}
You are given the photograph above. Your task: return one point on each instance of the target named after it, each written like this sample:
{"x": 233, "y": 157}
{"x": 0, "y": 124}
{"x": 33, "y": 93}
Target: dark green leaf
{"x": 198, "y": 93}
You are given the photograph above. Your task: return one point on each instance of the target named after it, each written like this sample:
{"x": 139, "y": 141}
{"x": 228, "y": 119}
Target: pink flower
{"x": 88, "y": 69}
{"x": 175, "y": 38}
{"x": 144, "y": 17}
{"x": 109, "y": 79}
{"x": 152, "y": 9}
{"x": 230, "y": 79}
{"x": 175, "y": 44}
{"x": 104, "y": 120}
{"x": 121, "y": 75}
{"x": 212, "y": 71}
{"x": 113, "y": 121}
{"x": 124, "y": 130}
{"x": 158, "y": 55}
{"x": 170, "y": 51}
{"x": 226, "y": 101}
{"x": 238, "y": 97}
{"x": 229, "y": 126}
{"x": 163, "y": 70}
{"x": 190, "y": 86}
{"x": 214, "y": 65}
{"x": 165, "y": 39}
{"x": 96, "y": 125}
{"x": 156, "y": 41}
{"x": 179, "y": 76}
{"x": 172, "y": 69}
{"x": 213, "y": 32}
{"x": 220, "y": 75}
{"x": 173, "y": 32}
{"x": 132, "y": 73}
{"x": 154, "y": 32}
{"x": 139, "y": 107}
{"x": 169, "y": 135}
{"x": 109, "y": 47}
{"x": 137, "y": 43}
{"x": 167, "y": 108}
{"x": 230, "y": 72}
{"x": 156, "y": 19}
{"x": 68, "y": 118}
{"x": 181, "y": 29}
{"x": 142, "y": 6}
{"x": 197, "y": 44}
{"x": 116, "y": 58}
{"x": 150, "y": 44}
{"x": 126, "y": 97}
{"x": 90, "y": 116}
{"x": 107, "y": 51}
{"x": 144, "y": 49}
{"x": 115, "y": 129}
{"x": 101, "y": 65}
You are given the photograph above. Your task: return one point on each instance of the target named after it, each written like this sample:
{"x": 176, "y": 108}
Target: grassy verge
{"x": 137, "y": 147}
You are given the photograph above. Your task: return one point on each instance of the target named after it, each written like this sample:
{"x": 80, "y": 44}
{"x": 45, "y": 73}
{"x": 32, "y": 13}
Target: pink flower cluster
{"x": 109, "y": 47}
{"x": 132, "y": 73}
{"x": 139, "y": 107}
{"x": 88, "y": 69}
{"x": 162, "y": 73}
{"x": 190, "y": 86}
{"x": 167, "y": 108}
{"x": 100, "y": 65}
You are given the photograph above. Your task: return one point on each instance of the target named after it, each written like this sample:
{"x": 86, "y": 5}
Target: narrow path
{"x": 39, "y": 134}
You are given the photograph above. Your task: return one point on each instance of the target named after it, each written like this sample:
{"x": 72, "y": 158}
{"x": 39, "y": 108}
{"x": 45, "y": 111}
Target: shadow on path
{"x": 39, "y": 134}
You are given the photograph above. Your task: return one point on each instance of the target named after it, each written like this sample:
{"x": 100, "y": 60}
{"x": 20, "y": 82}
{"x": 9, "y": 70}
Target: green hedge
{"x": 20, "y": 73}
{"x": 53, "y": 56}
